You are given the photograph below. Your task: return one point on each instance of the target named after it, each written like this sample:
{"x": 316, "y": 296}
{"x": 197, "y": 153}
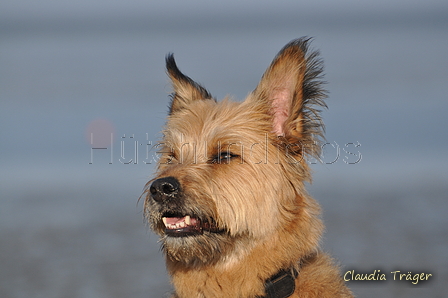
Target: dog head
{"x": 232, "y": 174}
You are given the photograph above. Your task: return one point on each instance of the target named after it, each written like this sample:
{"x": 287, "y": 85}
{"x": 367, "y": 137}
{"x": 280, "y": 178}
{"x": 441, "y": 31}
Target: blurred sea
{"x": 71, "y": 224}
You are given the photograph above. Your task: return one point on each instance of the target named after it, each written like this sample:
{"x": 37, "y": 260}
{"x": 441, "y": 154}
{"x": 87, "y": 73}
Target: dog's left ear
{"x": 291, "y": 89}
{"x": 185, "y": 89}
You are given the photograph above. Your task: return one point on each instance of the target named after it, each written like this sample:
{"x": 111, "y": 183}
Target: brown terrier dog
{"x": 229, "y": 200}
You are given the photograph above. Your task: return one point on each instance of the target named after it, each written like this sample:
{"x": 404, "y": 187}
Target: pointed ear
{"x": 185, "y": 90}
{"x": 290, "y": 89}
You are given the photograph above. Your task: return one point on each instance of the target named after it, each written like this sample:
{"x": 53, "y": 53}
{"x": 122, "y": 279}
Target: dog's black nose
{"x": 164, "y": 188}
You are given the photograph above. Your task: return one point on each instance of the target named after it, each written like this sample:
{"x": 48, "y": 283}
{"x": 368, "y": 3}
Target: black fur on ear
{"x": 185, "y": 90}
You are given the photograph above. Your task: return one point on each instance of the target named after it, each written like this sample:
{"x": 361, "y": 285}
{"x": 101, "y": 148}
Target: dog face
{"x": 231, "y": 174}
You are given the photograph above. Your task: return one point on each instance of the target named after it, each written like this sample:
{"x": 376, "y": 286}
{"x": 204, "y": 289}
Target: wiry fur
{"x": 241, "y": 166}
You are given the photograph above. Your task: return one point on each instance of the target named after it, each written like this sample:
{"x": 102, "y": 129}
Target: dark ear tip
{"x": 185, "y": 89}
{"x": 169, "y": 59}
{"x": 301, "y": 44}
{"x": 171, "y": 65}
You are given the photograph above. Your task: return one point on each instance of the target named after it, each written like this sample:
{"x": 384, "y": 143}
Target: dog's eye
{"x": 170, "y": 158}
{"x": 224, "y": 157}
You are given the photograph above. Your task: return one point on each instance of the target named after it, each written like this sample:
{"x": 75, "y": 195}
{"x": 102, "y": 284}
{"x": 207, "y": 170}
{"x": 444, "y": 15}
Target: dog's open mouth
{"x": 181, "y": 226}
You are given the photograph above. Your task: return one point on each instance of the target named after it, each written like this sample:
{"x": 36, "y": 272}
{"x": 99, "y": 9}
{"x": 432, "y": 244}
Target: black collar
{"x": 282, "y": 284}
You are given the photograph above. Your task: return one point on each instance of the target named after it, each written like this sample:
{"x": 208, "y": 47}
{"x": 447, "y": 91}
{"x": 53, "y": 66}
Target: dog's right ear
{"x": 185, "y": 90}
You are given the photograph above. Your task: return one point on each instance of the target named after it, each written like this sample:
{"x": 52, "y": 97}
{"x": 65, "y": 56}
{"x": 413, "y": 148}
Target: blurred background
{"x": 71, "y": 224}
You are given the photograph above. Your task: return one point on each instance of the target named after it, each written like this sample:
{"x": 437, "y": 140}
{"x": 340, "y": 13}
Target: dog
{"x": 229, "y": 200}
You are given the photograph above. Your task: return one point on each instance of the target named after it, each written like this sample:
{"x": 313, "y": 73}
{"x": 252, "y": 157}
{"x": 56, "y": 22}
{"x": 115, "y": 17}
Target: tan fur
{"x": 242, "y": 168}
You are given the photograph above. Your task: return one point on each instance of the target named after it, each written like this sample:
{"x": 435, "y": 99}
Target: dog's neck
{"x": 280, "y": 285}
